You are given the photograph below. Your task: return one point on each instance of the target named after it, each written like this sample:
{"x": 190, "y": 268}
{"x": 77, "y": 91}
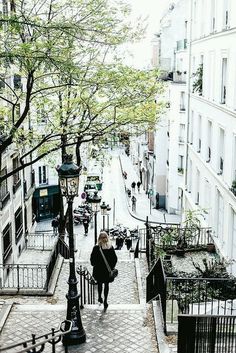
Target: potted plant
{"x": 197, "y": 84}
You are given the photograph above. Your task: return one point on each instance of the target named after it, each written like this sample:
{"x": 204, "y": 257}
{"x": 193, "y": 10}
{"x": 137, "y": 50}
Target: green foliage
{"x": 68, "y": 56}
{"x": 197, "y": 84}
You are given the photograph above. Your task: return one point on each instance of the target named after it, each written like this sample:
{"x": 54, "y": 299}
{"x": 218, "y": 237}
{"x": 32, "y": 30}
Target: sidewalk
{"x": 128, "y": 324}
{"x": 144, "y": 208}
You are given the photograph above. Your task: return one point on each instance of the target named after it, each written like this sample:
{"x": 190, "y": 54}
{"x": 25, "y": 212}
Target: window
{"x": 17, "y": 82}
{"x": 223, "y": 81}
{"x": 225, "y": 14}
{"x": 181, "y": 164}
{"x": 180, "y": 199}
{"x": 199, "y": 142}
{"x": 7, "y": 242}
{"x": 207, "y": 197}
{"x": 5, "y": 7}
{"x": 209, "y": 140}
{"x": 220, "y": 215}
{"x": 233, "y": 234}
{"x": 213, "y": 15}
{"x": 43, "y": 175}
{"x": 190, "y": 176}
{"x": 18, "y": 224}
{"x": 191, "y": 127}
{"x": 41, "y": 116}
{"x": 16, "y": 176}
{"x": 234, "y": 160}
{"x": 181, "y": 132}
{"x": 182, "y": 101}
{"x": 197, "y": 187}
{"x": 3, "y": 186}
{"x": 2, "y": 82}
{"x": 221, "y": 152}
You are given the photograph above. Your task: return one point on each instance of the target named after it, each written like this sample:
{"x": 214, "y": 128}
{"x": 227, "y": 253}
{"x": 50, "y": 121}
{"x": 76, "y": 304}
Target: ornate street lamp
{"x": 95, "y": 202}
{"x": 108, "y": 214}
{"x": 103, "y": 213}
{"x": 68, "y": 174}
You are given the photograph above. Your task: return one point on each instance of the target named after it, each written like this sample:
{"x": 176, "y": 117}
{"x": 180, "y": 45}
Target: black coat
{"x": 100, "y": 272}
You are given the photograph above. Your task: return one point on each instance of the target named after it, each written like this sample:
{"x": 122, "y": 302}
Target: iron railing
{"x": 206, "y": 333}
{"x": 87, "y": 286}
{"x": 200, "y": 296}
{"x": 23, "y": 276}
{"x": 28, "y": 277}
{"x": 37, "y": 344}
{"x": 40, "y": 240}
{"x": 136, "y": 250}
{"x": 196, "y": 296}
{"x": 156, "y": 287}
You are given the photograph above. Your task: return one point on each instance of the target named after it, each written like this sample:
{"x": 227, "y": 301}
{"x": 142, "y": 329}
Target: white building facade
{"x": 211, "y": 147}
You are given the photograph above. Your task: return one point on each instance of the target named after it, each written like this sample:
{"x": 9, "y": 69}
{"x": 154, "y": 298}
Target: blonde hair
{"x": 104, "y": 240}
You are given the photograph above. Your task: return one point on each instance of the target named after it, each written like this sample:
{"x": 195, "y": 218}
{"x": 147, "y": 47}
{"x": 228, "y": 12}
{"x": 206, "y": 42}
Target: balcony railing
{"x": 179, "y": 76}
{"x": 4, "y": 200}
{"x": 16, "y": 185}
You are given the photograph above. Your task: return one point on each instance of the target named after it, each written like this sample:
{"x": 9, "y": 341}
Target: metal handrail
{"x": 49, "y": 338}
{"x": 87, "y": 286}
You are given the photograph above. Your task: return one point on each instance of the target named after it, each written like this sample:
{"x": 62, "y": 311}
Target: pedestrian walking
{"x": 129, "y": 193}
{"x": 138, "y": 186}
{"x": 55, "y": 224}
{"x": 119, "y": 242}
{"x": 125, "y": 174}
{"x": 128, "y": 242}
{"x": 100, "y": 270}
{"x": 133, "y": 186}
{"x": 86, "y": 222}
{"x": 133, "y": 199}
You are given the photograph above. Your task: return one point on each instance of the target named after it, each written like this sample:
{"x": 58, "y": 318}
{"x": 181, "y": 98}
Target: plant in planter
{"x": 181, "y": 170}
{"x": 191, "y": 228}
{"x": 197, "y": 84}
{"x": 233, "y": 187}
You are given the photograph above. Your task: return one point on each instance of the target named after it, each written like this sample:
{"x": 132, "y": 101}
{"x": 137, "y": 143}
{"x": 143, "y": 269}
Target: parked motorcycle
{"x": 80, "y": 211}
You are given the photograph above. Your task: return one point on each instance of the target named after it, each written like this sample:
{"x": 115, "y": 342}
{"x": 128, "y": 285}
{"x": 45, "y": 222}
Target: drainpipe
{"x": 188, "y": 94}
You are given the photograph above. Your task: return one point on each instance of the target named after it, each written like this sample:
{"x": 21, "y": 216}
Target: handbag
{"x": 113, "y": 273}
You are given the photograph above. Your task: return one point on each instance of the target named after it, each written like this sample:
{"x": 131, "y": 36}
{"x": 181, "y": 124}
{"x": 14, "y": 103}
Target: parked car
{"x": 90, "y": 186}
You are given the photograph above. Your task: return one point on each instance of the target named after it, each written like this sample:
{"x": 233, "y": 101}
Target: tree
{"x": 65, "y": 68}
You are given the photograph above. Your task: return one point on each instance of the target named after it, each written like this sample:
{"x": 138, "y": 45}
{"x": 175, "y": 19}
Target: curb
{"x": 4, "y": 312}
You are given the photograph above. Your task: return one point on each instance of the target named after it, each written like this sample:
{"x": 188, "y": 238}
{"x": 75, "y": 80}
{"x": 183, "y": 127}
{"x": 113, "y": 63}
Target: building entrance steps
{"x": 126, "y": 326}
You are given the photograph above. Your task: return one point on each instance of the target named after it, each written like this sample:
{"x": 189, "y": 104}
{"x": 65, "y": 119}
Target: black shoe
{"x": 105, "y": 305}
{"x": 100, "y": 300}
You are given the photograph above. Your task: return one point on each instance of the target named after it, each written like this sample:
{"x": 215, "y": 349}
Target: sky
{"x": 153, "y": 10}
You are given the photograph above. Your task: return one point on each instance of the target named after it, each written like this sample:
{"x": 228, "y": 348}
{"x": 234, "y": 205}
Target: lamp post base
{"x": 76, "y": 336}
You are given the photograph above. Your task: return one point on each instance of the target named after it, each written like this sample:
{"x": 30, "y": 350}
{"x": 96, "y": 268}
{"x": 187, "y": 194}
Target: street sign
{"x": 83, "y": 195}
{"x": 150, "y": 192}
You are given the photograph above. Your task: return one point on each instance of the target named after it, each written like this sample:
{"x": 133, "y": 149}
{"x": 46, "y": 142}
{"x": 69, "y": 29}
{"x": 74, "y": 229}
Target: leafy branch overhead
{"x": 67, "y": 84}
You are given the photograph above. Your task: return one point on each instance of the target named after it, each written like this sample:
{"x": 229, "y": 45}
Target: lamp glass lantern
{"x": 95, "y": 201}
{"x": 103, "y": 209}
{"x": 68, "y": 174}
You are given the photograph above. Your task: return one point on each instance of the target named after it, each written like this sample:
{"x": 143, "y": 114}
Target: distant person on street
{"x": 119, "y": 242}
{"x": 124, "y": 174}
{"x": 133, "y": 199}
{"x": 100, "y": 271}
{"x": 55, "y": 224}
{"x": 128, "y": 242}
{"x": 138, "y": 185}
{"x": 86, "y": 222}
{"x": 129, "y": 193}
{"x": 133, "y": 186}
